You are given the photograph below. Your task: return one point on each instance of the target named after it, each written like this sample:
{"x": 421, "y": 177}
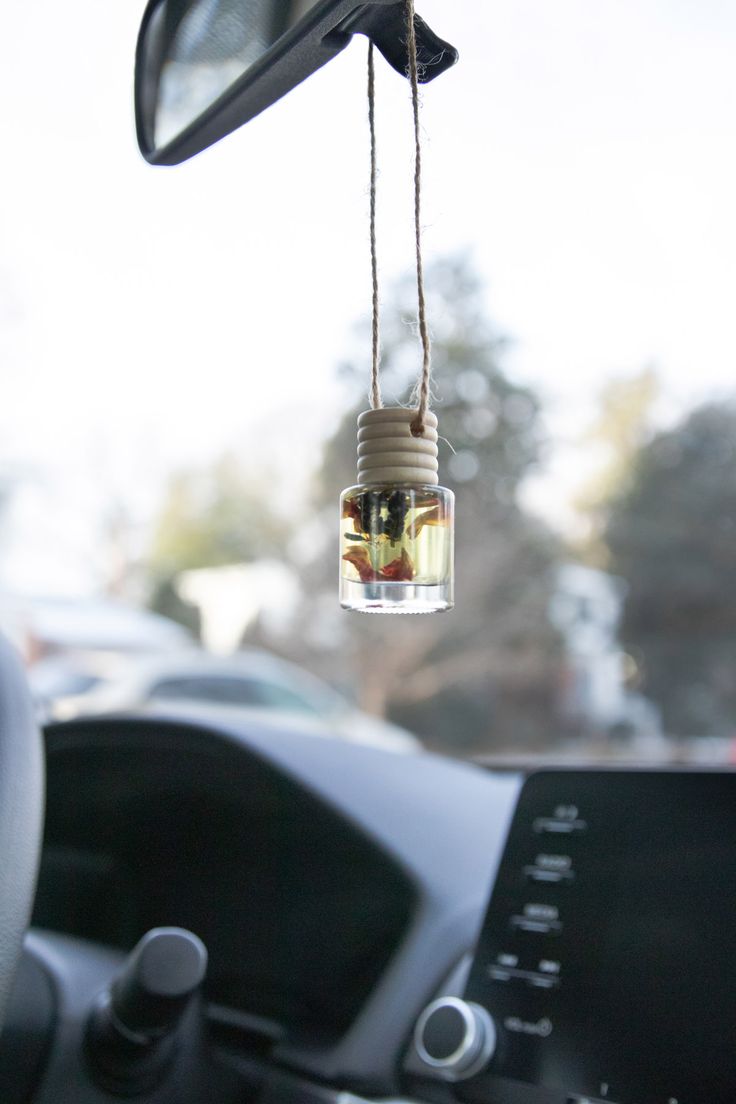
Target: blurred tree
{"x": 620, "y": 429}
{"x": 211, "y": 517}
{"x": 488, "y": 669}
{"x": 214, "y": 516}
{"x": 672, "y": 536}
{"x": 166, "y": 600}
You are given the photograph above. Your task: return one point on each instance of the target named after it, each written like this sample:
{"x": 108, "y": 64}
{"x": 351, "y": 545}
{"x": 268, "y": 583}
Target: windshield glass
{"x": 185, "y": 352}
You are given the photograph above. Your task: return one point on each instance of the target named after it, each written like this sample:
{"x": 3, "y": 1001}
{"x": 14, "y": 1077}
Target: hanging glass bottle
{"x": 397, "y": 524}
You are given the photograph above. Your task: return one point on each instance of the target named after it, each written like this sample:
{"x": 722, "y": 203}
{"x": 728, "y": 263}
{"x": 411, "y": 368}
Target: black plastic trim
{"x": 323, "y": 33}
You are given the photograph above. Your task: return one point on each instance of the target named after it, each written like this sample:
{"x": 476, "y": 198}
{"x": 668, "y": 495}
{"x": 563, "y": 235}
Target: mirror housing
{"x": 317, "y": 37}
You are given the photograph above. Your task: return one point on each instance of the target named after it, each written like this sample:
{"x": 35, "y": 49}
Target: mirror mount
{"x": 384, "y": 25}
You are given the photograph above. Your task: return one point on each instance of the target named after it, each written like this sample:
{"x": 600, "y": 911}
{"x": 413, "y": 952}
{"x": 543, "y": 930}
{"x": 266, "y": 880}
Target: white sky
{"x": 149, "y": 318}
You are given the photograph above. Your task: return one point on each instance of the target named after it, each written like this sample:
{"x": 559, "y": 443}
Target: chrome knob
{"x": 455, "y": 1038}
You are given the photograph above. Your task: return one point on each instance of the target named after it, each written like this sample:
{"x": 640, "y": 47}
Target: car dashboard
{"x": 388, "y": 925}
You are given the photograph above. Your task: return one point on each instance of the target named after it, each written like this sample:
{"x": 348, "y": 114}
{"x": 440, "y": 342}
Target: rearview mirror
{"x": 205, "y": 67}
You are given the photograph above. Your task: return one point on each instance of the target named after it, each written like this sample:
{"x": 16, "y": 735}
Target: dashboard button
{"x": 562, "y": 864}
{"x": 537, "y": 927}
{"x": 536, "y": 979}
{"x": 587, "y": 1100}
{"x": 552, "y": 826}
{"x": 551, "y": 869}
{"x": 455, "y": 1038}
{"x": 537, "y": 917}
{"x": 547, "y": 877}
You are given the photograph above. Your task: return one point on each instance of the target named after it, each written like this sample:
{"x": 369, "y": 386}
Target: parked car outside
{"x": 251, "y": 681}
{"x": 43, "y": 626}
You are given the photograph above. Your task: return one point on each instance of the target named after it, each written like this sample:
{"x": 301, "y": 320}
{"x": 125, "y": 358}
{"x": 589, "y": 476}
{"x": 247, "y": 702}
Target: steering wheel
{"x": 21, "y": 813}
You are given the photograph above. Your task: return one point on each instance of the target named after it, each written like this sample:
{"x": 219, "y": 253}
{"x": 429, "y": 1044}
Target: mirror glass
{"x": 203, "y": 47}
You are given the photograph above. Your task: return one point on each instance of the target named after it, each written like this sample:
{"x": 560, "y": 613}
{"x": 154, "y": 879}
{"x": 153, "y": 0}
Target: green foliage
{"x": 165, "y": 599}
{"x": 213, "y": 517}
{"x": 672, "y": 537}
{"x": 620, "y": 430}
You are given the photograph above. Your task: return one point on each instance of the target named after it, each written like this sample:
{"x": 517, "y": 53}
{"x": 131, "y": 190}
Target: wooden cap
{"x": 388, "y": 452}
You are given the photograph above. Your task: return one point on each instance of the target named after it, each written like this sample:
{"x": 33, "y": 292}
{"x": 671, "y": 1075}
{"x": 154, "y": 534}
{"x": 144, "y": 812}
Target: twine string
{"x": 422, "y": 391}
{"x": 423, "y": 387}
{"x": 376, "y": 400}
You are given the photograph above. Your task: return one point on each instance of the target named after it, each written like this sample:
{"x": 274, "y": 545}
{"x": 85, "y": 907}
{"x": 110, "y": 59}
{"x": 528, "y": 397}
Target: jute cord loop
{"x": 423, "y": 386}
{"x": 376, "y": 400}
{"x": 422, "y": 390}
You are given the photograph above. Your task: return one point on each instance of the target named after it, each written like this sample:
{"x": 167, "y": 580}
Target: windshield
{"x": 185, "y": 353}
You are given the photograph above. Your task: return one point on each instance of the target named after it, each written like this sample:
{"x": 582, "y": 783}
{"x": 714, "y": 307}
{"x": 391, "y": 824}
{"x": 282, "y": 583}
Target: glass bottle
{"x": 397, "y": 524}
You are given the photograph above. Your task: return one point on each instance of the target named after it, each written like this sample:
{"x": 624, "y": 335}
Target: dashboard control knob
{"x": 132, "y": 1029}
{"x": 455, "y": 1038}
{"x": 157, "y": 982}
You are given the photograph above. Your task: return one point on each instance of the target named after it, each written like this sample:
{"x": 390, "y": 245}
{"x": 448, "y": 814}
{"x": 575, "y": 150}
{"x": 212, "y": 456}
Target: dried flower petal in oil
{"x": 401, "y": 570}
{"x": 361, "y": 561}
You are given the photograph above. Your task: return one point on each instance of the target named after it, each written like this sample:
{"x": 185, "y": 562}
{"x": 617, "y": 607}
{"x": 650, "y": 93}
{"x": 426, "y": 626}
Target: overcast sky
{"x": 149, "y": 318}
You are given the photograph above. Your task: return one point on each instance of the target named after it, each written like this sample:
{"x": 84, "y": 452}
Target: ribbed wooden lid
{"x": 388, "y": 452}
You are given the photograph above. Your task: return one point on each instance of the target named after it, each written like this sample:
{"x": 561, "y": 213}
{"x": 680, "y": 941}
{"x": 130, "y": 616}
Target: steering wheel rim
{"x": 21, "y": 813}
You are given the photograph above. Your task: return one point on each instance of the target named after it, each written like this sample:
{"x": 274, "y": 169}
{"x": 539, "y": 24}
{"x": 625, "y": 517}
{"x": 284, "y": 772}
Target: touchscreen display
{"x": 608, "y": 955}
